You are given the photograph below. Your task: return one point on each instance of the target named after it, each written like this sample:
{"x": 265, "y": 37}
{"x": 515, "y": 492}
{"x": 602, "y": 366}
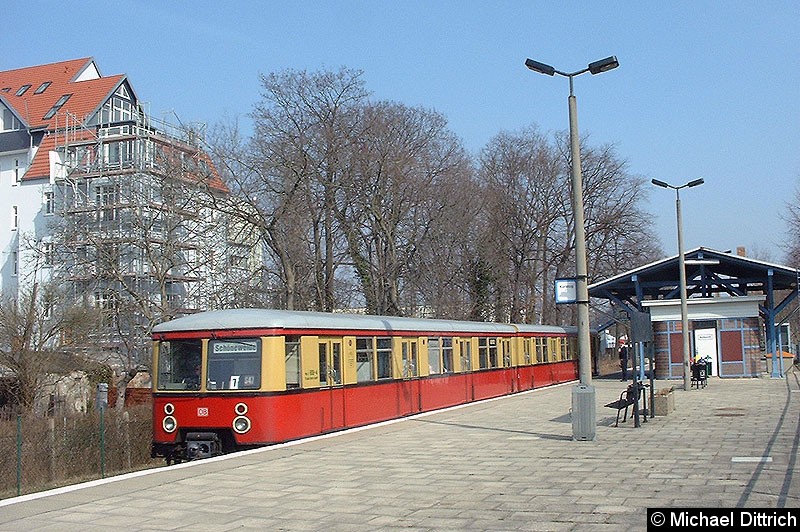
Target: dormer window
{"x": 22, "y": 90}
{"x": 43, "y": 87}
{"x": 58, "y": 105}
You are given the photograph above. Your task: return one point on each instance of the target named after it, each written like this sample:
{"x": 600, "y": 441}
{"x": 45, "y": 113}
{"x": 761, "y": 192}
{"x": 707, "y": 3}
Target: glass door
{"x": 330, "y": 361}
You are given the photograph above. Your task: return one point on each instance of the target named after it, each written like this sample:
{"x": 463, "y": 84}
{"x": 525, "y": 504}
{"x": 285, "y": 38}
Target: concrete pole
{"x": 687, "y": 378}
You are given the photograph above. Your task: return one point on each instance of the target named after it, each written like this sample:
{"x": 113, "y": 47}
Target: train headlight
{"x": 240, "y": 409}
{"x": 241, "y": 424}
{"x": 169, "y": 424}
{"x": 169, "y": 408}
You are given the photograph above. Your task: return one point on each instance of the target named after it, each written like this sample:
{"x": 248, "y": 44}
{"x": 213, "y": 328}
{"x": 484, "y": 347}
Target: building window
{"x": 15, "y": 262}
{"x": 15, "y": 219}
{"x": 43, "y": 87}
{"x": 22, "y": 90}
{"x": 116, "y": 109}
{"x": 56, "y": 106}
{"x": 17, "y": 173}
{"x": 47, "y": 251}
{"x": 106, "y": 301}
{"x": 49, "y": 205}
{"x": 106, "y": 198}
{"x": 10, "y": 122}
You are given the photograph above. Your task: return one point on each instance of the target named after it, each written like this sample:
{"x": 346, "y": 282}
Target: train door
{"x": 330, "y": 382}
{"x": 505, "y": 352}
{"x": 465, "y": 348}
{"x": 409, "y": 386}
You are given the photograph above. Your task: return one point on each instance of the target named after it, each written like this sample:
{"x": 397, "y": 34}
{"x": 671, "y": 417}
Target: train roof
{"x": 243, "y": 319}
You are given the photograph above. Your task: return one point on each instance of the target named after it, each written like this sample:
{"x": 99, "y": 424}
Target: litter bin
{"x": 699, "y": 374}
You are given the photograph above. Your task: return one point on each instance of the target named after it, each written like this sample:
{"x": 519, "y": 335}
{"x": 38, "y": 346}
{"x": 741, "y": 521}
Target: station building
{"x": 735, "y": 306}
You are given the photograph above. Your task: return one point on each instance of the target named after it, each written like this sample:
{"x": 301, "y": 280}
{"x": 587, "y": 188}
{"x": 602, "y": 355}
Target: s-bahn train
{"x": 234, "y": 379}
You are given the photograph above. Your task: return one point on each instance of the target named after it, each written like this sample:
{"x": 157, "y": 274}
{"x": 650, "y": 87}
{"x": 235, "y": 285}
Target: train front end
{"x": 205, "y": 392}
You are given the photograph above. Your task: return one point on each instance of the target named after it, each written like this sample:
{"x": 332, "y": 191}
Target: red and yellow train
{"x": 234, "y": 379}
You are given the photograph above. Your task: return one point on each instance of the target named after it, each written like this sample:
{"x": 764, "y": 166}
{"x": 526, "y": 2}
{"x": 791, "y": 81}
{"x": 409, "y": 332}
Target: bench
{"x": 629, "y": 397}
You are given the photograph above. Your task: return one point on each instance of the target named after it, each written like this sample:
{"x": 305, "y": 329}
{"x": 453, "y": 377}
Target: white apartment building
{"x": 95, "y": 194}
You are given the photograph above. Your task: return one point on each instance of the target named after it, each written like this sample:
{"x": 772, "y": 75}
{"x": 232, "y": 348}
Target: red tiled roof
{"x": 86, "y": 97}
{"x": 40, "y": 165}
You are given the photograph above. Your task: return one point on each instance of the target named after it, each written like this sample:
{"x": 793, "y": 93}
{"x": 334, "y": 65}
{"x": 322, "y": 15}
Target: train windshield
{"x": 234, "y": 364}
{"x": 179, "y": 365}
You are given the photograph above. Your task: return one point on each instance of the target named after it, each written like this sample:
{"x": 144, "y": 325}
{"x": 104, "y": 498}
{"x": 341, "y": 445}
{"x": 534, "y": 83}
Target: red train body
{"x": 235, "y": 379}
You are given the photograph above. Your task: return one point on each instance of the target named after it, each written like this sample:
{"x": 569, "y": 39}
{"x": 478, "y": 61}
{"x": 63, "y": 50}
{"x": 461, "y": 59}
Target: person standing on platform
{"x": 623, "y": 357}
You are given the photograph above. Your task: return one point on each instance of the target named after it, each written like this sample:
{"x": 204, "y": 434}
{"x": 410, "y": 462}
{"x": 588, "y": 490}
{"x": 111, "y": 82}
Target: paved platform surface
{"x": 507, "y": 464}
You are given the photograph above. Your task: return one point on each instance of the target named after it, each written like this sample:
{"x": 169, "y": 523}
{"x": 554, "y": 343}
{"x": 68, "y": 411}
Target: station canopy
{"x": 709, "y": 273}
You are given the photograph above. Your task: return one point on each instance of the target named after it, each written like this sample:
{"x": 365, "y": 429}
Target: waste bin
{"x": 584, "y": 421}
{"x": 699, "y": 373}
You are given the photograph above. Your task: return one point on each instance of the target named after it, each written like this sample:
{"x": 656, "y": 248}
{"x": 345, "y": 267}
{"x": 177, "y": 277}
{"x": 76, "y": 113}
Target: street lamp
{"x": 687, "y": 383}
{"x": 583, "y": 411}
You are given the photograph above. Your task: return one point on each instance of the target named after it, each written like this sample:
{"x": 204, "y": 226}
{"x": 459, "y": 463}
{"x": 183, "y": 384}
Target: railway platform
{"x": 503, "y": 464}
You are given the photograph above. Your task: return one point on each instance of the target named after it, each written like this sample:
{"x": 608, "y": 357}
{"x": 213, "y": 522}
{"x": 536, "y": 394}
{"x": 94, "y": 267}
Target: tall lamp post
{"x": 584, "y": 411}
{"x": 687, "y": 382}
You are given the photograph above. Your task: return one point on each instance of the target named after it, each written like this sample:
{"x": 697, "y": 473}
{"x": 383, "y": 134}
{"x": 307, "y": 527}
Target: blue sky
{"x": 704, "y": 89}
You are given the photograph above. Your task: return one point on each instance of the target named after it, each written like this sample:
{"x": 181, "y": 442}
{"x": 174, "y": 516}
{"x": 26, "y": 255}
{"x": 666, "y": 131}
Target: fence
{"x": 39, "y": 453}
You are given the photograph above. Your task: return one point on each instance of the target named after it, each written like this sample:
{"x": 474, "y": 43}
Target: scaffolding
{"x": 125, "y": 224}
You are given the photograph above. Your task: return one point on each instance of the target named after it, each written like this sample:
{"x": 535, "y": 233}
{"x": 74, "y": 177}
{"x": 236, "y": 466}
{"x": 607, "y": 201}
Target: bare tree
{"x": 525, "y": 190}
{"x": 531, "y": 227}
{"x": 402, "y": 170}
{"x": 39, "y": 337}
{"x": 284, "y": 180}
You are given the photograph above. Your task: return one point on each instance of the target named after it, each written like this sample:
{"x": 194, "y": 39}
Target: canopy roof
{"x": 708, "y": 273}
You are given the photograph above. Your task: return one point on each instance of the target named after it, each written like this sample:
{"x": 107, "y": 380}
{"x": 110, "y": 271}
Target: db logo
{"x": 202, "y": 412}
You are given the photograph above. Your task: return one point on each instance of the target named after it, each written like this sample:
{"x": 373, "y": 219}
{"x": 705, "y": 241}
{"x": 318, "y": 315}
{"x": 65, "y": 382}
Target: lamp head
{"x": 694, "y": 183}
{"x": 541, "y": 68}
{"x": 658, "y": 183}
{"x": 604, "y": 65}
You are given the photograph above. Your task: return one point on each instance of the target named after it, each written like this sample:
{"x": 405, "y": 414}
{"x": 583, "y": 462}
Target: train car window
{"x": 434, "y": 354}
{"x": 541, "y": 350}
{"x": 292, "y": 362}
{"x": 409, "y": 358}
{"x": 384, "y": 355}
{"x": 234, "y": 364}
{"x": 526, "y": 347}
{"x": 483, "y": 353}
{"x": 323, "y": 364}
{"x": 506, "y": 347}
{"x": 447, "y": 355}
{"x": 364, "y": 359}
{"x": 330, "y": 362}
{"x": 179, "y": 364}
{"x": 492, "y": 352}
{"x": 562, "y": 345}
{"x": 466, "y": 355}
{"x": 336, "y": 352}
